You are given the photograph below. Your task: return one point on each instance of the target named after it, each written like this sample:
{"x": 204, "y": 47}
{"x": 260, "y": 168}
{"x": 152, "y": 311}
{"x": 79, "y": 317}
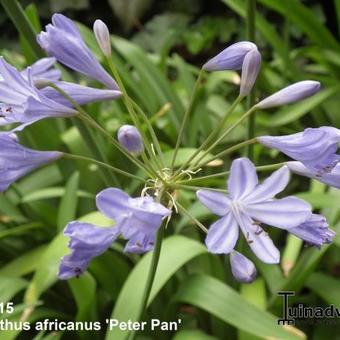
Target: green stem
{"x": 129, "y": 104}
{"x": 228, "y": 131}
{"x": 152, "y": 271}
{"x": 211, "y": 136}
{"x": 251, "y": 29}
{"x": 192, "y": 218}
{"x": 185, "y": 118}
{"x": 226, "y": 173}
{"x": 195, "y": 188}
{"x": 102, "y": 164}
{"x": 23, "y": 25}
{"x": 225, "y": 152}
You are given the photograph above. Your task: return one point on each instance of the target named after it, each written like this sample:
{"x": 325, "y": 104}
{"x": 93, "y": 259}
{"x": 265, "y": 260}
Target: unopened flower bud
{"x": 290, "y": 94}
{"x": 230, "y": 58}
{"x": 130, "y": 138}
{"x": 242, "y": 268}
{"x": 250, "y": 70}
{"x": 102, "y": 35}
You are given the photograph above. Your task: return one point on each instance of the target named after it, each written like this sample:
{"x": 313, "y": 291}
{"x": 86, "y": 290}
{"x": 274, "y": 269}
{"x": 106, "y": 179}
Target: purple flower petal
{"x": 270, "y": 187}
{"x": 283, "y": 213}
{"x": 81, "y": 94}
{"x": 250, "y": 70}
{"x": 222, "y": 235}
{"x": 290, "y": 94}
{"x": 16, "y": 160}
{"x": 42, "y": 71}
{"x": 242, "y": 268}
{"x": 86, "y": 242}
{"x": 216, "y": 202}
{"x": 102, "y": 35}
{"x": 140, "y": 243}
{"x": 63, "y": 41}
{"x": 231, "y": 58}
{"x": 332, "y": 178}
{"x": 242, "y": 179}
{"x": 258, "y": 240}
{"x": 314, "y": 231}
{"x": 315, "y": 148}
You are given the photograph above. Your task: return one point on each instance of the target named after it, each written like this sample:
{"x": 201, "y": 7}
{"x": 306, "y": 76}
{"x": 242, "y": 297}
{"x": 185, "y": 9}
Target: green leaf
{"x": 10, "y": 286}
{"x": 176, "y": 251}
{"x": 182, "y": 156}
{"x": 68, "y": 203}
{"x": 24, "y": 264}
{"x": 218, "y": 299}
{"x": 188, "y": 334}
{"x": 47, "y": 269}
{"x": 84, "y": 292}
{"x": 325, "y": 286}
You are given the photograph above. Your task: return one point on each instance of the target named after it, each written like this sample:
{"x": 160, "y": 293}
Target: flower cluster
{"x": 38, "y": 92}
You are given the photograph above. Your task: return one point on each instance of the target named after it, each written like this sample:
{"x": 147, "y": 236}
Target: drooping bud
{"x": 230, "y": 58}
{"x": 290, "y": 94}
{"x": 242, "y": 268}
{"x": 102, "y": 35}
{"x": 130, "y": 138}
{"x": 250, "y": 70}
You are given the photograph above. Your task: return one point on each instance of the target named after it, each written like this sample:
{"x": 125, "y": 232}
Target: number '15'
{"x": 6, "y": 307}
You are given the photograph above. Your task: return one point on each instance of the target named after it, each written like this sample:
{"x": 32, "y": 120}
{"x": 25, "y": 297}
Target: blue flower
{"x": 249, "y": 204}
{"x": 136, "y": 219}
{"x": 22, "y": 102}
{"x": 330, "y": 178}
{"x": 130, "y": 138}
{"x": 314, "y": 231}
{"x": 81, "y": 94}
{"x": 290, "y": 94}
{"x": 242, "y": 268}
{"x": 42, "y": 71}
{"x": 63, "y": 41}
{"x": 16, "y": 160}
{"x": 231, "y": 58}
{"x": 314, "y": 147}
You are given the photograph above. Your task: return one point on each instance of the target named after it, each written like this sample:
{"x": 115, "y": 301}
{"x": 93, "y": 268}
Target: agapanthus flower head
{"x": 231, "y": 58}
{"x": 290, "y": 94}
{"x": 330, "y": 178}
{"x": 315, "y": 147}
{"x": 247, "y": 206}
{"x": 130, "y": 138}
{"x": 43, "y": 71}
{"x": 81, "y": 94}
{"x": 242, "y": 268}
{"x": 314, "y": 231}
{"x": 136, "y": 219}
{"x": 63, "y": 41}
{"x": 250, "y": 70}
{"x": 102, "y": 35}
{"x": 22, "y": 102}
{"x": 16, "y": 160}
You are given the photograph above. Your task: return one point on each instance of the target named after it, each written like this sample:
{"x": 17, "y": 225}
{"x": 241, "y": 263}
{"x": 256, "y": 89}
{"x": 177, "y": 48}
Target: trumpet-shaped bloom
{"x": 81, "y": 94}
{"x": 137, "y": 220}
{"x": 231, "y": 58}
{"x": 330, "y": 178}
{"x": 314, "y": 147}
{"x": 314, "y": 231}
{"x": 249, "y": 204}
{"x": 290, "y": 94}
{"x": 250, "y": 70}
{"x": 16, "y": 160}
{"x": 242, "y": 268}
{"x": 130, "y": 138}
{"x": 21, "y": 100}
{"x": 63, "y": 41}
{"x": 42, "y": 71}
